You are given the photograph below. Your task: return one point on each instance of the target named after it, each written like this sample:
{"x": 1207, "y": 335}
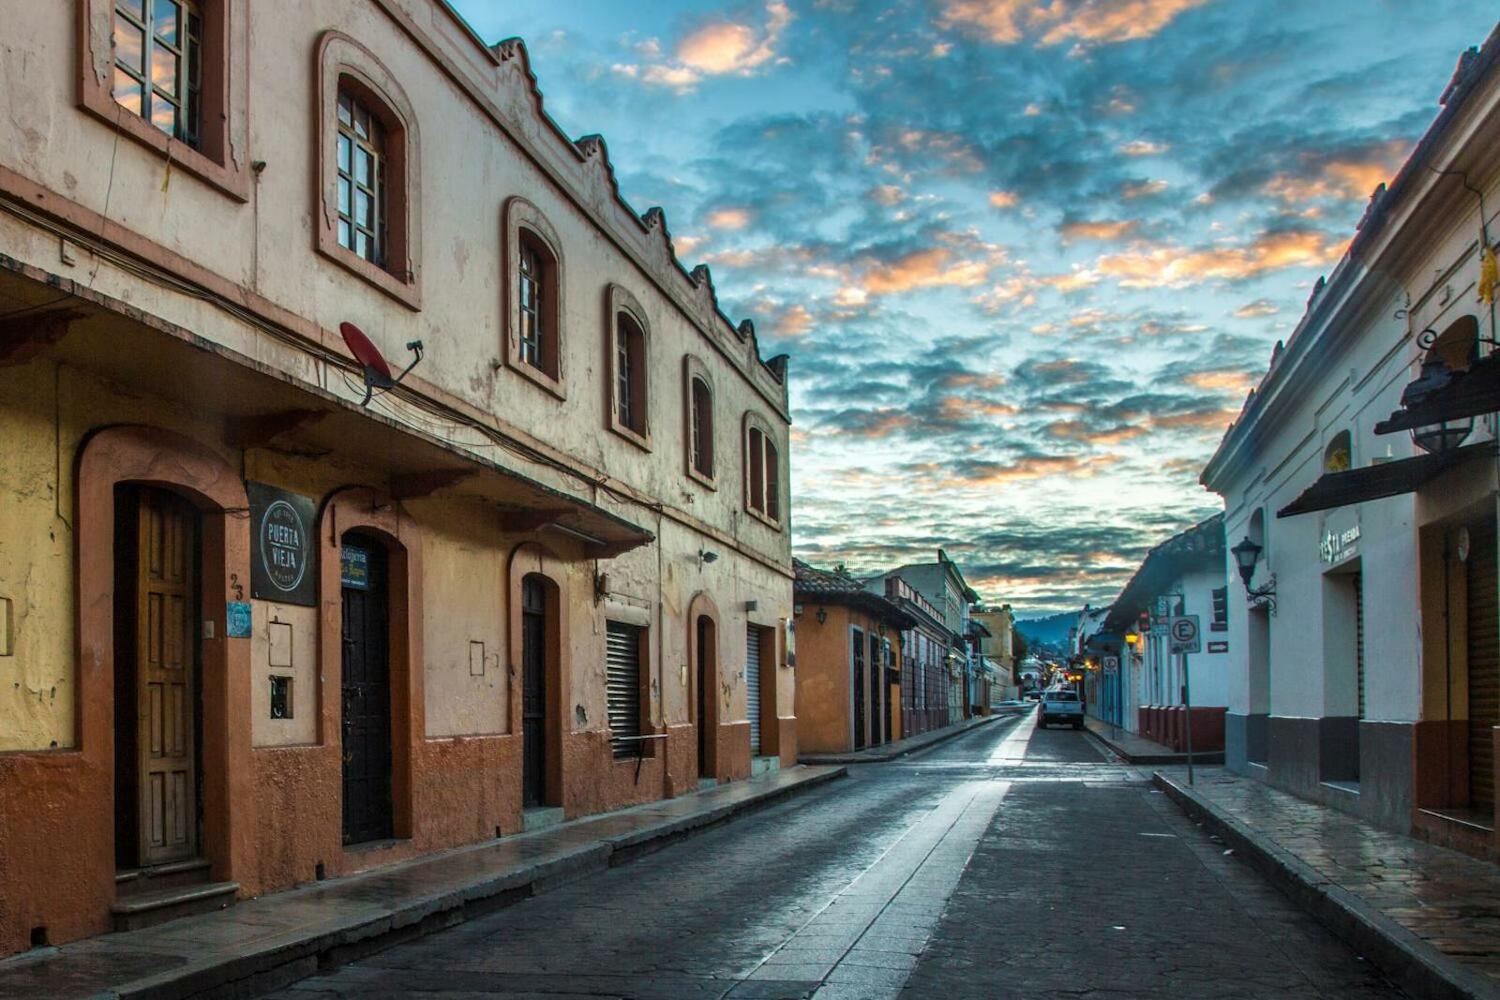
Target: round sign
{"x": 1184, "y": 630}
{"x": 283, "y": 540}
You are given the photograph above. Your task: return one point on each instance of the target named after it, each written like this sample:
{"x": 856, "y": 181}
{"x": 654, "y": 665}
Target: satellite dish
{"x": 377, "y": 371}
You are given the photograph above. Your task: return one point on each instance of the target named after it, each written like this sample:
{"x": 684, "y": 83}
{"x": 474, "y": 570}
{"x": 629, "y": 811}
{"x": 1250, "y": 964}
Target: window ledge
{"x": 641, "y": 441}
{"x": 226, "y": 178}
{"x": 408, "y": 293}
{"x": 765, "y": 519}
{"x": 538, "y": 377}
{"x": 708, "y": 482}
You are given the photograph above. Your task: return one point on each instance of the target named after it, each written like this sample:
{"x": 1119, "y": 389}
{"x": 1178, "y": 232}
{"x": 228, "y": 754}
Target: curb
{"x": 278, "y": 966}
{"x": 865, "y": 757}
{"x": 1410, "y": 962}
{"x": 1201, "y": 758}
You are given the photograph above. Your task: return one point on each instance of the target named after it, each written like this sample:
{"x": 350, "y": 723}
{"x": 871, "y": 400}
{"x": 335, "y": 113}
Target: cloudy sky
{"x": 1027, "y": 256}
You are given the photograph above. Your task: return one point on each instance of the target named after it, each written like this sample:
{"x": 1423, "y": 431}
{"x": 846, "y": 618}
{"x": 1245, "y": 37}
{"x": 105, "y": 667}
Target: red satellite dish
{"x": 377, "y": 371}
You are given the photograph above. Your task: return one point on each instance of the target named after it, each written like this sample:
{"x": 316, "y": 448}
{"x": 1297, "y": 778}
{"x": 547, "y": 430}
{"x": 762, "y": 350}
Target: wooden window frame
{"x": 524, "y": 223}
{"x": 220, "y": 157}
{"x": 694, "y": 371}
{"x": 346, "y": 66}
{"x": 762, "y": 471}
{"x": 370, "y": 142}
{"x": 620, "y": 302}
{"x": 186, "y": 100}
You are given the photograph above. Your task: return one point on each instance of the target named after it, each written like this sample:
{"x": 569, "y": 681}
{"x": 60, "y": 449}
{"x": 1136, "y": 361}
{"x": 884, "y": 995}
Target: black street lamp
{"x": 1246, "y": 555}
{"x": 1445, "y": 435}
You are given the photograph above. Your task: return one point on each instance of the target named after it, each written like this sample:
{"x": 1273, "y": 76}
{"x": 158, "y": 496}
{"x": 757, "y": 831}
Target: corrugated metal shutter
{"x": 622, "y": 663}
{"x": 1359, "y": 642}
{"x": 752, "y": 686}
{"x": 1484, "y": 663}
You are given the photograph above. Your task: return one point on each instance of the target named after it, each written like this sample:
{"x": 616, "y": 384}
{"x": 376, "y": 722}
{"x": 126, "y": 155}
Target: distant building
{"x": 848, "y": 662}
{"x": 999, "y": 648}
{"x": 942, "y": 584}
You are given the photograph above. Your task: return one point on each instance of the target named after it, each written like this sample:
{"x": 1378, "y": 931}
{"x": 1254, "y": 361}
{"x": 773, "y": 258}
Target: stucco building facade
{"x": 262, "y": 625}
{"x": 1344, "y": 520}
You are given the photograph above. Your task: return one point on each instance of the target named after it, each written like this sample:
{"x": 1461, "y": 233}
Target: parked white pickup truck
{"x": 1060, "y": 707}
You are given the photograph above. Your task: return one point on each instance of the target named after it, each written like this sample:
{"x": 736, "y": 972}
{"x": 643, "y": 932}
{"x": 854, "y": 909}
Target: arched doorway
{"x": 365, "y": 721}
{"x": 158, "y": 679}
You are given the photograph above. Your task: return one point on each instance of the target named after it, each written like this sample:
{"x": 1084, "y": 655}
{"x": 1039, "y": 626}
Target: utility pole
{"x": 1187, "y": 702}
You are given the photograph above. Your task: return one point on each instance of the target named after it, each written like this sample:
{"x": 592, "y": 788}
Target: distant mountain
{"x": 1049, "y": 631}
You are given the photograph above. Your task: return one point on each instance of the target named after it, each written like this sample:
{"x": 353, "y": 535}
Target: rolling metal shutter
{"x": 752, "y": 686}
{"x": 1359, "y": 643}
{"x": 622, "y": 665}
{"x": 1484, "y": 663}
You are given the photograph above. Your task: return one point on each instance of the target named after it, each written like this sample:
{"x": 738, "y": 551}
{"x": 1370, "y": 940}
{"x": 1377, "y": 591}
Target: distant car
{"x": 1032, "y": 696}
{"x": 1060, "y": 707}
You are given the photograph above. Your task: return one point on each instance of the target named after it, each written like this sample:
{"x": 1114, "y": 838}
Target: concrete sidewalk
{"x": 1135, "y": 749}
{"x": 1427, "y": 916}
{"x": 901, "y": 748}
{"x": 262, "y": 944}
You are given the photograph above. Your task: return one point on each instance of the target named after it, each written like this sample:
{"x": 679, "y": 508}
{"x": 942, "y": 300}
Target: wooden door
{"x": 706, "y": 685}
{"x": 877, "y": 678}
{"x": 366, "y": 696}
{"x": 165, "y": 658}
{"x": 533, "y": 692}
{"x": 858, "y": 690}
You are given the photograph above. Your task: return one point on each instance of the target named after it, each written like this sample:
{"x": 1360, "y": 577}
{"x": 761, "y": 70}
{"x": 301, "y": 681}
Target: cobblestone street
{"x": 1008, "y": 862}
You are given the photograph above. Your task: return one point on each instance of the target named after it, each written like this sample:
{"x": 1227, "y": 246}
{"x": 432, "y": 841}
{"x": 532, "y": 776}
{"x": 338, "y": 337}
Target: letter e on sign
{"x": 1184, "y": 635}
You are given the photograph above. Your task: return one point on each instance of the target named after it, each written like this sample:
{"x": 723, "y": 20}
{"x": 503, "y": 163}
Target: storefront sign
{"x": 354, "y": 568}
{"x": 283, "y": 553}
{"x": 1339, "y": 545}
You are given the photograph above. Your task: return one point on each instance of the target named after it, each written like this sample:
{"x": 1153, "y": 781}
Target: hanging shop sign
{"x": 354, "y": 568}
{"x": 283, "y": 554}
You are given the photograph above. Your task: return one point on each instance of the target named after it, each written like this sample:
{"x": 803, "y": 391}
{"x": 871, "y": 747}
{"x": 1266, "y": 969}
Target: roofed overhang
{"x": 1376, "y": 482}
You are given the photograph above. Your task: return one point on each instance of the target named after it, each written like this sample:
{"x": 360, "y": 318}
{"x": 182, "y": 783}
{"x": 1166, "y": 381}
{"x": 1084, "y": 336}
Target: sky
{"x": 1027, "y": 256}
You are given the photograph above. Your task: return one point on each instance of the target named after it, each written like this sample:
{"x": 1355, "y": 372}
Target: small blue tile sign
{"x": 237, "y": 620}
{"x": 354, "y": 567}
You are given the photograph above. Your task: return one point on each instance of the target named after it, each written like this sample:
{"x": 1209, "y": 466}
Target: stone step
{"x": 139, "y": 881}
{"x": 150, "y": 908}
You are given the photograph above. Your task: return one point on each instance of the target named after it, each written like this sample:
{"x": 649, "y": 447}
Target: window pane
{"x": 363, "y": 166}
{"x": 343, "y": 153}
{"x": 130, "y": 46}
{"x": 166, "y": 17}
{"x": 344, "y": 234}
{"x": 343, "y": 197}
{"x": 362, "y": 244}
{"x": 164, "y": 115}
{"x": 164, "y": 68}
{"x": 364, "y": 210}
{"x": 131, "y": 7}
{"x": 346, "y": 109}
{"x": 127, "y": 91}
{"x": 361, "y": 122}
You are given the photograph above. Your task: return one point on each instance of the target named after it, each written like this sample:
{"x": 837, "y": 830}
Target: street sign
{"x": 1183, "y": 631}
{"x": 1163, "y": 606}
{"x": 1111, "y": 664}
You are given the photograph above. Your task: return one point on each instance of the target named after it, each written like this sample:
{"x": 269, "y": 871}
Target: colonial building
{"x": 849, "y": 663}
{"x": 1135, "y": 681}
{"x": 270, "y": 611}
{"x": 1361, "y": 495}
{"x": 925, "y": 669}
{"x": 942, "y": 584}
{"x": 999, "y": 648}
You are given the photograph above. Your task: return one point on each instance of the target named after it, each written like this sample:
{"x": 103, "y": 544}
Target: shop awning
{"x": 1472, "y": 392}
{"x": 1373, "y": 482}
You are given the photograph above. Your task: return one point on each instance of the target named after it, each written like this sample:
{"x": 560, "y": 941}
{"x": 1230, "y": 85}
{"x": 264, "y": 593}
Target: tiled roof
{"x": 833, "y": 587}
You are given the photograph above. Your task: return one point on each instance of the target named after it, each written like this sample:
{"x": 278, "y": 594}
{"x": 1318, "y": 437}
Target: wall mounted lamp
{"x": 1246, "y": 555}
{"x": 822, "y": 615}
{"x": 705, "y": 557}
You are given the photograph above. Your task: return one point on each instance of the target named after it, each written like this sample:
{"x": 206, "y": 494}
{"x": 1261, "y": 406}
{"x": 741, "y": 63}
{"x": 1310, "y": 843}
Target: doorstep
{"x": 899, "y": 748}
{"x": 265, "y": 943}
{"x": 1427, "y": 916}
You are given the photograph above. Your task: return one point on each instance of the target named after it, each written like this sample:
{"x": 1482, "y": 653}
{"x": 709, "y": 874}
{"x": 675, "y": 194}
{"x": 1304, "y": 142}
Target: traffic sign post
{"x": 1185, "y": 638}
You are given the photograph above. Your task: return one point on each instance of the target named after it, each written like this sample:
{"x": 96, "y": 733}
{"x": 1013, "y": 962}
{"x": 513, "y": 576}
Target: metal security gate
{"x": 367, "y": 694}
{"x": 752, "y": 686}
{"x": 857, "y": 687}
{"x": 1359, "y": 643}
{"x": 877, "y": 675}
{"x": 533, "y": 692}
{"x": 1484, "y": 663}
{"x": 622, "y": 663}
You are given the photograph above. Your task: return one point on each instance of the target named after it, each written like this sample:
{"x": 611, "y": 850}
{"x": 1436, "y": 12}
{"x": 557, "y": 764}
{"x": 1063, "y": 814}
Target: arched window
{"x": 698, "y": 419}
{"x": 368, "y": 220}
{"x": 629, "y": 395}
{"x": 1338, "y": 456}
{"x": 702, "y": 429}
{"x": 534, "y": 340}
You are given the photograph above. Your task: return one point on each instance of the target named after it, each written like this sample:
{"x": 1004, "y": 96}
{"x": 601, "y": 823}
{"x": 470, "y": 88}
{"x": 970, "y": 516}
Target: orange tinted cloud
{"x": 729, "y": 218}
{"x": 1260, "y": 307}
{"x": 1077, "y": 430}
{"x": 1006, "y": 22}
{"x": 1235, "y": 383}
{"x": 931, "y": 268}
{"x": 1141, "y": 189}
{"x": 1002, "y": 199}
{"x": 1350, "y": 178}
{"x": 1143, "y": 147}
{"x": 717, "y": 48}
{"x": 1216, "y": 420}
{"x": 1164, "y": 266}
{"x": 1101, "y": 230}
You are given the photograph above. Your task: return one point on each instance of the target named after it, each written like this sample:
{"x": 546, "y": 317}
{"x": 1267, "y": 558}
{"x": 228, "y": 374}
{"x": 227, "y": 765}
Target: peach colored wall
{"x": 825, "y": 674}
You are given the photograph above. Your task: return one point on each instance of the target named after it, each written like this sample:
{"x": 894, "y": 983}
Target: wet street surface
{"x": 1006, "y": 863}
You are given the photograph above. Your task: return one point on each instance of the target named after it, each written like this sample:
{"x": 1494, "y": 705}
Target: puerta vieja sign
{"x": 282, "y": 537}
